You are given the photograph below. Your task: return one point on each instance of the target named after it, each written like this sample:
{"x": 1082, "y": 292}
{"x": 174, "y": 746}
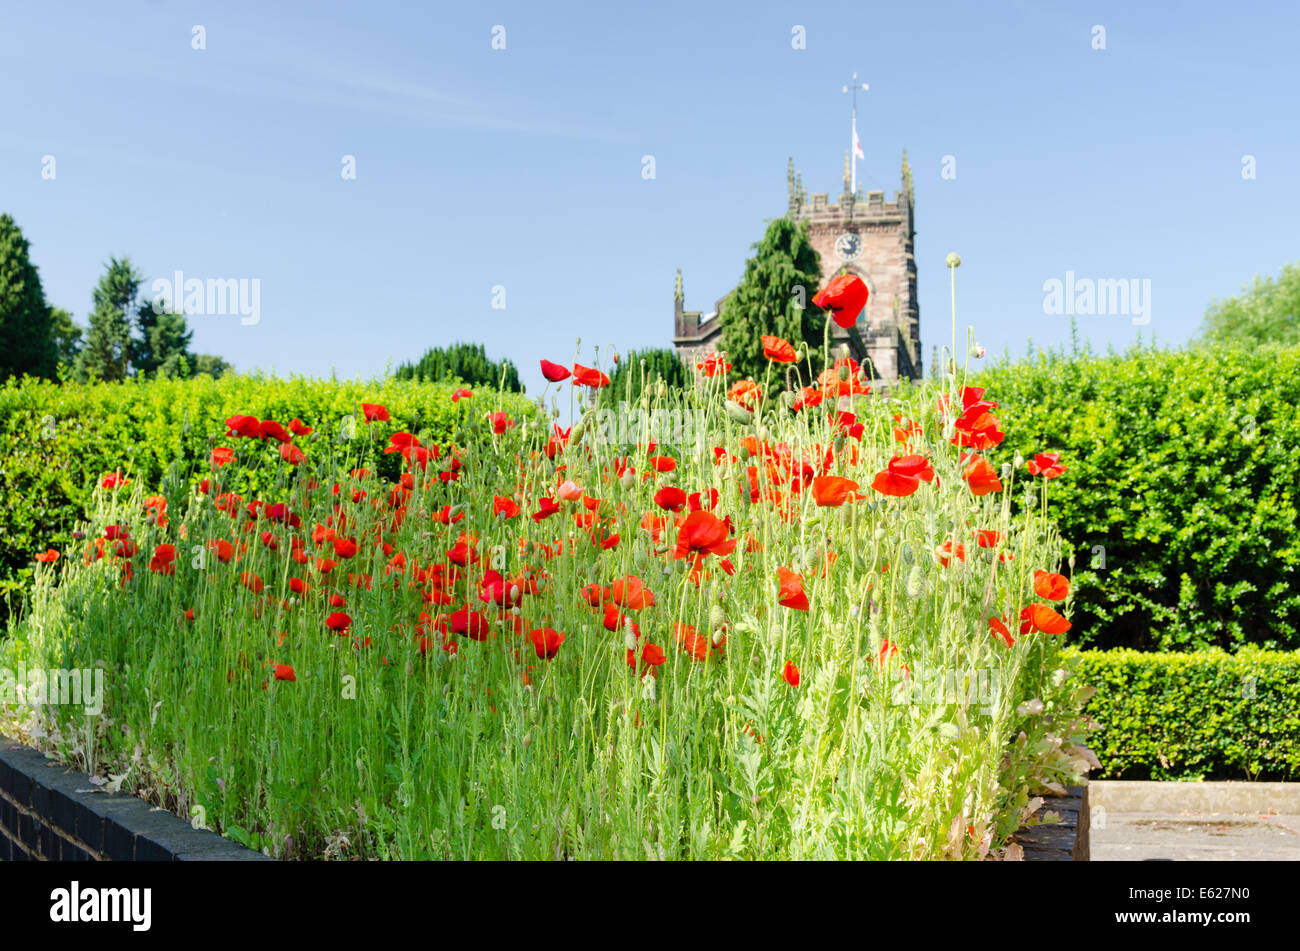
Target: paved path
{"x": 1195, "y": 836}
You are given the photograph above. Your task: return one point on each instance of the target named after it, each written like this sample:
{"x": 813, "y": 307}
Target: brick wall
{"x": 51, "y": 813}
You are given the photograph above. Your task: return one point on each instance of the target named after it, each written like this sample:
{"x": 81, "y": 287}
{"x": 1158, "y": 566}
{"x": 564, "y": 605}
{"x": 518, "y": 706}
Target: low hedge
{"x": 1195, "y": 715}
{"x": 1181, "y": 497}
{"x": 57, "y": 441}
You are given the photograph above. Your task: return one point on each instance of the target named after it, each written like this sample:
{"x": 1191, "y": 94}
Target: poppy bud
{"x": 717, "y": 617}
{"x": 738, "y": 412}
{"x": 915, "y": 582}
{"x": 953, "y": 260}
{"x": 628, "y": 479}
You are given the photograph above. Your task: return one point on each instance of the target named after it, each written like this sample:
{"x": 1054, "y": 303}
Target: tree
{"x": 66, "y": 335}
{"x": 163, "y": 341}
{"x": 774, "y": 297}
{"x": 1266, "y": 312}
{"x": 107, "y": 352}
{"x": 463, "y": 361}
{"x": 26, "y": 342}
{"x": 205, "y": 364}
{"x": 639, "y": 369}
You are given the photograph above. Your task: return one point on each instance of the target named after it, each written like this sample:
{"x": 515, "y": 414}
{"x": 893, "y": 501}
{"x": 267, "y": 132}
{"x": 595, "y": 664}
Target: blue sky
{"x": 522, "y": 167}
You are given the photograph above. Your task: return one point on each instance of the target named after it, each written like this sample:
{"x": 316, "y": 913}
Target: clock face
{"x": 848, "y": 246}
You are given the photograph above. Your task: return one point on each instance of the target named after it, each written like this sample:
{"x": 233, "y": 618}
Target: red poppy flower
{"x": 285, "y": 672}
{"x": 701, "y": 534}
{"x": 714, "y": 364}
{"x": 345, "y": 547}
{"x": 987, "y": 537}
{"x": 462, "y": 394}
{"x": 292, "y": 454}
{"x": 630, "y": 592}
{"x": 778, "y": 349}
{"x": 808, "y": 398}
{"x": 949, "y": 550}
{"x": 251, "y": 581}
{"x": 471, "y": 623}
{"x": 745, "y": 392}
{"x": 652, "y": 658}
{"x": 225, "y": 551}
{"x": 791, "y": 594}
{"x": 246, "y": 426}
{"x": 981, "y": 477}
{"x": 546, "y": 642}
{"x": 500, "y": 422}
{"x": 790, "y": 673}
{"x": 1051, "y": 586}
{"x": 554, "y": 372}
{"x": 671, "y": 498}
{"x": 270, "y": 429}
{"x": 299, "y": 428}
{"x": 903, "y": 476}
{"x": 163, "y": 561}
{"x": 1039, "y": 617}
{"x": 998, "y": 629}
{"x": 587, "y": 376}
{"x": 1046, "y": 464}
{"x": 48, "y": 556}
{"x": 844, "y": 297}
{"x": 221, "y": 455}
{"x": 834, "y": 491}
{"x": 663, "y": 463}
{"x": 338, "y": 622}
{"x": 375, "y": 412}
{"x": 297, "y": 586}
{"x": 700, "y": 646}
{"x": 506, "y": 508}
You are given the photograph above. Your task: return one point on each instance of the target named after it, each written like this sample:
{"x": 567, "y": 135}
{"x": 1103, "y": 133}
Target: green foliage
{"x": 107, "y": 351}
{"x": 27, "y": 344}
{"x": 774, "y": 297}
{"x": 1267, "y": 312}
{"x": 467, "y": 362}
{"x": 1197, "y": 715}
{"x": 639, "y": 369}
{"x": 66, "y": 334}
{"x": 56, "y": 442}
{"x": 1182, "y": 495}
{"x": 163, "y": 343}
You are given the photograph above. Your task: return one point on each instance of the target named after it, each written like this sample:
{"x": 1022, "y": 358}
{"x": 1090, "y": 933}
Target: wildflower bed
{"x": 802, "y": 625}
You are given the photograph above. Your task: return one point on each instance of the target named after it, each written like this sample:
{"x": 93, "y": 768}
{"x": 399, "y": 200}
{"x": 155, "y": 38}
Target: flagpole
{"x": 853, "y": 138}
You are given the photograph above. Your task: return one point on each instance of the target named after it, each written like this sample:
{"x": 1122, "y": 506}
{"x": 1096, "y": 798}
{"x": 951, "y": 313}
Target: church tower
{"x": 862, "y": 234}
{"x": 865, "y": 235}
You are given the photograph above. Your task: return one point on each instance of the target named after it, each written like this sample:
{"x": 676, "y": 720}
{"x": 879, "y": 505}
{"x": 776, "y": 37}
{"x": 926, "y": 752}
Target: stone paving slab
{"x": 1195, "y": 836}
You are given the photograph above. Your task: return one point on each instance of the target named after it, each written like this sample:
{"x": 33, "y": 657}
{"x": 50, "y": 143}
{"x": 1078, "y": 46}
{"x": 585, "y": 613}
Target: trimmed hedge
{"x": 1182, "y": 495}
{"x": 57, "y": 441}
{"x": 1194, "y": 715}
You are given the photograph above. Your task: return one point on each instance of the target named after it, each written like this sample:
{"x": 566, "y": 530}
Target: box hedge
{"x": 1196, "y": 714}
{"x": 57, "y": 441}
{"x": 1182, "y": 495}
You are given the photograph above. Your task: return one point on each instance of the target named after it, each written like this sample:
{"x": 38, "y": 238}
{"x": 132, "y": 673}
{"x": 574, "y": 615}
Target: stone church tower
{"x": 864, "y": 235}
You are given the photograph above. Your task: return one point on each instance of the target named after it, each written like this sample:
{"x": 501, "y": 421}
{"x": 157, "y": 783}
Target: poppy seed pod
{"x": 953, "y": 259}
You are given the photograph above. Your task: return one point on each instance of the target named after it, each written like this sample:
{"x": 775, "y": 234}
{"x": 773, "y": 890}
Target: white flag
{"x": 857, "y": 143}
